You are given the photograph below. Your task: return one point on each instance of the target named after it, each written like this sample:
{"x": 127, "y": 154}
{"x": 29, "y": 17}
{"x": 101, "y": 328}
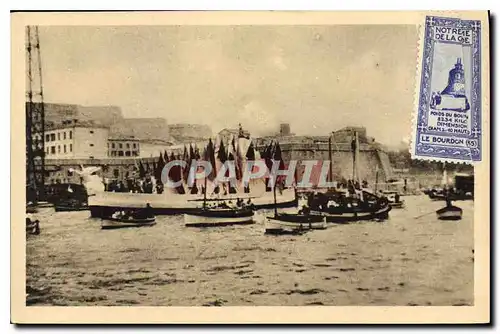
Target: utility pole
{"x": 35, "y": 118}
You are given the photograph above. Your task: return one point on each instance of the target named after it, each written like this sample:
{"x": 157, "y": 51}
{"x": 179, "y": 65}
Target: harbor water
{"x": 401, "y": 261}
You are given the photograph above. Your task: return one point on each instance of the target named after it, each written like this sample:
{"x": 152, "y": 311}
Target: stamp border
{"x": 421, "y": 151}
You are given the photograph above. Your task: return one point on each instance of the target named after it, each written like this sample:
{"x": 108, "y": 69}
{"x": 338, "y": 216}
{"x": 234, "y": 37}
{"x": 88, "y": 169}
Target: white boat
{"x": 219, "y": 217}
{"x": 290, "y": 223}
{"x": 104, "y": 204}
{"x": 111, "y": 223}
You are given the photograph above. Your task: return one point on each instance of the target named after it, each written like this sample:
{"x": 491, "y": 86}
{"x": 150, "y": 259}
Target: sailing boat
{"x": 292, "y": 223}
{"x": 223, "y": 214}
{"x": 449, "y": 212}
{"x": 355, "y": 204}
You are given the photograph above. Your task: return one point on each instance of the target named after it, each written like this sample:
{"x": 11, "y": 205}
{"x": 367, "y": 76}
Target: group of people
{"x": 145, "y": 185}
{"x": 143, "y": 213}
{"x": 240, "y": 203}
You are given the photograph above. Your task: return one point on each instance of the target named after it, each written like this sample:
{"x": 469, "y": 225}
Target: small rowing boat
{"x": 284, "y": 223}
{"x": 111, "y": 223}
{"x": 219, "y": 217}
{"x": 136, "y": 218}
{"x": 449, "y": 213}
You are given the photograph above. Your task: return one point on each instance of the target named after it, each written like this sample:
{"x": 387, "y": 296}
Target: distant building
{"x": 76, "y": 140}
{"x": 123, "y": 147}
{"x": 227, "y": 134}
{"x": 153, "y": 148}
{"x": 373, "y": 160}
{"x": 142, "y": 128}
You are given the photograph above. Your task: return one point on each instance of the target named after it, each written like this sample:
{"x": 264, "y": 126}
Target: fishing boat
{"x": 135, "y": 218}
{"x": 449, "y": 213}
{"x": 218, "y": 215}
{"x": 105, "y": 203}
{"x": 32, "y": 224}
{"x": 32, "y": 227}
{"x": 343, "y": 206}
{"x": 69, "y": 197}
{"x": 111, "y": 223}
{"x": 293, "y": 222}
{"x": 290, "y": 223}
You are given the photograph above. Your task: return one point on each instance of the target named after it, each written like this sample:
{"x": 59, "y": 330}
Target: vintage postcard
{"x": 250, "y": 167}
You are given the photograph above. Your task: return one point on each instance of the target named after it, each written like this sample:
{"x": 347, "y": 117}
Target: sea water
{"x": 401, "y": 261}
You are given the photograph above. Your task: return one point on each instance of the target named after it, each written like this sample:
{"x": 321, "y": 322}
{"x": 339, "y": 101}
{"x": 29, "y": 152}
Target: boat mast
{"x": 205, "y": 193}
{"x": 330, "y": 173}
{"x": 274, "y": 194}
{"x": 354, "y": 148}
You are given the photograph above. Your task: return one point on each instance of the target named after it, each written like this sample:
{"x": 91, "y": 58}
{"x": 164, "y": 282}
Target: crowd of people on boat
{"x": 144, "y": 185}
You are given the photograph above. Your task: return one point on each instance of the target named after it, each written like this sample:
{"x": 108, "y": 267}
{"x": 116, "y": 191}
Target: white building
{"x": 76, "y": 140}
{"x": 123, "y": 147}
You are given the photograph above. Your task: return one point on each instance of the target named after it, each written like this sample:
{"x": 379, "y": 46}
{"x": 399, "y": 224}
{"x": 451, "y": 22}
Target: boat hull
{"x": 449, "y": 213}
{"x": 105, "y": 204}
{"x": 347, "y": 217}
{"x": 398, "y": 205}
{"x": 218, "y": 218}
{"x": 112, "y": 223}
{"x": 63, "y": 208}
{"x": 289, "y": 223}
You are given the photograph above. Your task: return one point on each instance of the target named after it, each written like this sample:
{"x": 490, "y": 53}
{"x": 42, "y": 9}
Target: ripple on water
{"x": 399, "y": 262}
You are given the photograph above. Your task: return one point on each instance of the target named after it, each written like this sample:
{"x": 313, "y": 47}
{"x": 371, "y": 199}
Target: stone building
{"x": 373, "y": 161}
{"x": 76, "y": 140}
{"x": 122, "y": 147}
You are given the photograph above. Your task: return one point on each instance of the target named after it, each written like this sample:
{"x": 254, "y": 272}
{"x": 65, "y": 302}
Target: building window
{"x": 47, "y": 137}
{"x": 53, "y": 150}
{"x": 58, "y": 148}
{"x": 128, "y": 145}
{"x": 64, "y": 135}
{"x": 71, "y": 147}
{"x": 70, "y": 134}
{"x": 133, "y": 145}
{"x": 91, "y": 145}
{"x": 120, "y": 145}
{"x": 120, "y": 153}
{"x": 127, "y": 153}
{"x": 58, "y": 136}
{"x": 64, "y": 148}
{"x": 135, "y": 153}
{"x": 91, "y": 157}
{"x": 116, "y": 172}
{"x": 91, "y": 131}
{"x": 112, "y": 145}
{"x": 52, "y": 136}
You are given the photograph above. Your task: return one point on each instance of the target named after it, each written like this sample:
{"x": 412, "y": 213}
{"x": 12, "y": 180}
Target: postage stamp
{"x": 448, "y": 122}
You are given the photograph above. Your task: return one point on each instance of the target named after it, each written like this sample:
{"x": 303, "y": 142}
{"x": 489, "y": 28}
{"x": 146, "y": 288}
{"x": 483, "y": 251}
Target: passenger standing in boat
{"x": 148, "y": 211}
